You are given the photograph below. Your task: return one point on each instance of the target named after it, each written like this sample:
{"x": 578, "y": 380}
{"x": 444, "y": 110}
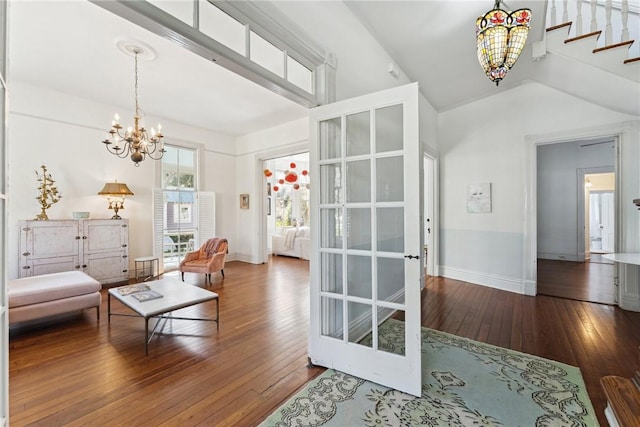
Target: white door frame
{"x": 625, "y": 131}
{"x": 259, "y": 188}
{"x": 582, "y": 225}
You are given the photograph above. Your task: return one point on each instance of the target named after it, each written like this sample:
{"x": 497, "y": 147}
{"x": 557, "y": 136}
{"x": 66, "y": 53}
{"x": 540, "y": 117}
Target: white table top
{"x": 625, "y": 258}
{"x": 175, "y": 295}
{"x": 146, "y": 258}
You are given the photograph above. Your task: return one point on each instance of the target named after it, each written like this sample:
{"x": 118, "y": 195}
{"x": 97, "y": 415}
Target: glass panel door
{"x": 366, "y": 235}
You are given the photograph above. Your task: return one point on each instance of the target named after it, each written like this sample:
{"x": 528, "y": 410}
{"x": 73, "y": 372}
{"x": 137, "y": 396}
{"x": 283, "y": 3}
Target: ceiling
{"x": 434, "y": 43}
{"x": 70, "y": 46}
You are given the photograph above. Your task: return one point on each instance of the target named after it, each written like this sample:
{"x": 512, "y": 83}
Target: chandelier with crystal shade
{"x": 500, "y": 37}
{"x": 135, "y": 142}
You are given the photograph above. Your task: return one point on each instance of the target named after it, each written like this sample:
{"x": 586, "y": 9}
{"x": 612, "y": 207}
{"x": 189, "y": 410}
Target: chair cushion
{"x": 50, "y": 287}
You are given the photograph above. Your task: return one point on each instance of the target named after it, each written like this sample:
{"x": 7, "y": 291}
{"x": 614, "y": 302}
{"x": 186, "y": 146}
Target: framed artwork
{"x": 479, "y": 198}
{"x": 244, "y": 201}
{"x": 268, "y": 188}
{"x": 268, "y": 205}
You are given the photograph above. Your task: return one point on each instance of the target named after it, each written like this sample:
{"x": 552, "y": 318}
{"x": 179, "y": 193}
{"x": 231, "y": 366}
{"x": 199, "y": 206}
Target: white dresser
{"x": 98, "y": 247}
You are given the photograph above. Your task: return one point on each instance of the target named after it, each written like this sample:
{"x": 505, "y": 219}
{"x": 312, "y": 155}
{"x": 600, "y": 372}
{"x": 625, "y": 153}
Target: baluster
{"x": 565, "y": 13}
{"x": 594, "y": 21}
{"x": 553, "y": 13}
{"x": 579, "y": 18}
{"x": 625, "y": 17}
{"x": 608, "y": 32}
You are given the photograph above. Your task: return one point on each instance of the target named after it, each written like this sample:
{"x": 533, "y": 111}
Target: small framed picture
{"x": 479, "y": 198}
{"x": 268, "y": 189}
{"x": 244, "y": 201}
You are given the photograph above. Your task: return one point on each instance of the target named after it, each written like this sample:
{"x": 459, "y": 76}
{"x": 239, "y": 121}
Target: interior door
{"x": 367, "y": 238}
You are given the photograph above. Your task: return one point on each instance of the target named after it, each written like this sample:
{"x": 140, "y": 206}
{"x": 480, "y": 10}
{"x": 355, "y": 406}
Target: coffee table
{"x": 175, "y": 295}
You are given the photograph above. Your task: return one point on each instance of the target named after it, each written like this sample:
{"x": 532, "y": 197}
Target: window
{"x": 179, "y": 197}
{"x": 182, "y": 212}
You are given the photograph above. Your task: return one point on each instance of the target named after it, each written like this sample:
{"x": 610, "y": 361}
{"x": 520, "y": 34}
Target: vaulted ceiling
{"x": 70, "y": 46}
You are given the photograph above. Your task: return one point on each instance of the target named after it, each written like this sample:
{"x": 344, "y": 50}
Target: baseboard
{"x": 560, "y": 257}
{"x": 530, "y": 288}
{"x": 490, "y": 280}
{"x": 235, "y": 256}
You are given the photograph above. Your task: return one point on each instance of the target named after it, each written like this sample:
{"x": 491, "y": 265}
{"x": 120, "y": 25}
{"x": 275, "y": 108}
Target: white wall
{"x": 64, "y": 133}
{"x": 484, "y": 141}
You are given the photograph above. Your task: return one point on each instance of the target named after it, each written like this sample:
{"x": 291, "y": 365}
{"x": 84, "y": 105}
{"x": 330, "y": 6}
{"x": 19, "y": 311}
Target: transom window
{"x": 242, "y": 37}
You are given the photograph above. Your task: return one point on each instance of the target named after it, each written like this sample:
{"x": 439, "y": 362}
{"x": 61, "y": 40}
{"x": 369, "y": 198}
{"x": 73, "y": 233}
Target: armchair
{"x": 206, "y": 260}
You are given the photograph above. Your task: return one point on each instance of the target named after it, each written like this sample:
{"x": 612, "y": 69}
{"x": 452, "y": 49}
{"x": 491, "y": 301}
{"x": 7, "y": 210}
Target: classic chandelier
{"x": 136, "y": 142}
{"x": 500, "y": 37}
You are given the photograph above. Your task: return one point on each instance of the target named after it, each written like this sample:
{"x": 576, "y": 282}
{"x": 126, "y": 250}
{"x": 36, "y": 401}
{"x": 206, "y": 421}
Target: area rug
{"x": 464, "y": 383}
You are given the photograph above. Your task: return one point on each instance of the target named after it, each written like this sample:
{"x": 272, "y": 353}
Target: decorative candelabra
{"x": 49, "y": 194}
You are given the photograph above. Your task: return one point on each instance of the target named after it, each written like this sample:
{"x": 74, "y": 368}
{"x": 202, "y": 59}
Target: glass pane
{"x": 359, "y": 229}
{"x": 183, "y": 10}
{"x": 330, "y": 138}
{"x": 299, "y": 75}
{"x": 360, "y": 323}
{"x": 358, "y": 134}
{"x": 359, "y": 276}
{"x": 390, "y": 179}
{"x": 391, "y": 279}
{"x": 267, "y": 55}
{"x": 331, "y": 265}
{"x": 222, "y": 27}
{"x": 170, "y": 168}
{"x": 358, "y": 181}
{"x": 332, "y": 318}
{"x": 331, "y": 226}
{"x": 187, "y": 169}
{"x": 331, "y": 183}
{"x": 390, "y": 228}
{"x": 389, "y": 129}
{"x": 391, "y": 333}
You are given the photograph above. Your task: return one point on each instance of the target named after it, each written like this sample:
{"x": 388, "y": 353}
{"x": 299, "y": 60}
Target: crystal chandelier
{"x": 500, "y": 38}
{"x": 135, "y": 142}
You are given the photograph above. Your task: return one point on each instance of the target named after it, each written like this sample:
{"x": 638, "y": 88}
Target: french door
{"x": 367, "y": 237}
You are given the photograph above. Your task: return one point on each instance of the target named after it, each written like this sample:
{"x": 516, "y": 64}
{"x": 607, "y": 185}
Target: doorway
{"x": 599, "y": 215}
{"x": 430, "y": 223}
{"x": 287, "y": 206}
{"x": 576, "y": 210}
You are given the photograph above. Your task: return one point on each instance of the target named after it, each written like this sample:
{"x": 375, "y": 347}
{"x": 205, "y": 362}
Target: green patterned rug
{"x": 464, "y": 383}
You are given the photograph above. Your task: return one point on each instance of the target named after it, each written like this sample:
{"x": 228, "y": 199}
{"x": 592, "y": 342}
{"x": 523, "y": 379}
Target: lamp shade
{"x": 500, "y": 38}
{"x": 115, "y": 189}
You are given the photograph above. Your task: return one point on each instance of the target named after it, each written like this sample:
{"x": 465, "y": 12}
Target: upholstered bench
{"x": 50, "y": 294}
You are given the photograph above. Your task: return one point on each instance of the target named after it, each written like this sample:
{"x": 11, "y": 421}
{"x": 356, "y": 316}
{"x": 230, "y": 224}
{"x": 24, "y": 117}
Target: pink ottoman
{"x": 49, "y": 294}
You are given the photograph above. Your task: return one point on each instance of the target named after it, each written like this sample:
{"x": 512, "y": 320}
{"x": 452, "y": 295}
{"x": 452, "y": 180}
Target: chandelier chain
{"x": 136, "y": 80}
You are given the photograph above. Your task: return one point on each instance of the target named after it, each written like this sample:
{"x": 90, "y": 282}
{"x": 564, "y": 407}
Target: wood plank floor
{"x": 77, "y": 372}
{"x": 584, "y": 281}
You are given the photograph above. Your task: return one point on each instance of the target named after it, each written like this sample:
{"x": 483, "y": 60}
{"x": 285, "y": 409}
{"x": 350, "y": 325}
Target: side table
{"x": 153, "y": 266}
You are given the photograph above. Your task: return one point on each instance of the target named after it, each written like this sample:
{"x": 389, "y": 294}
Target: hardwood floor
{"x": 584, "y": 281}
{"x": 75, "y": 372}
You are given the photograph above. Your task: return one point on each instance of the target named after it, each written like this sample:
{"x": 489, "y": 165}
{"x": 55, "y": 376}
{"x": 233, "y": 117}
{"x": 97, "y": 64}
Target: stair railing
{"x": 610, "y": 17}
